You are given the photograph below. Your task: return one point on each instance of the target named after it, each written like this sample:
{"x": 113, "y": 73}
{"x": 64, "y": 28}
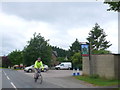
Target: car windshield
{"x": 61, "y": 64}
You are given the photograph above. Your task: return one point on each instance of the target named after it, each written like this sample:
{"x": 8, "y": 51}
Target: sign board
{"x": 85, "y": 49}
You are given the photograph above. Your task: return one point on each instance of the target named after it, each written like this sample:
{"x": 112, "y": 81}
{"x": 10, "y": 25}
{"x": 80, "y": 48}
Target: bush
{"x": 77, "y": 60}
{"x": 101, "y": 52}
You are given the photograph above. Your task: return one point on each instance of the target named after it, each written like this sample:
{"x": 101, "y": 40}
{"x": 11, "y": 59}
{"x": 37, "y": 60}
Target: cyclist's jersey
{"x": 38, "y": 64}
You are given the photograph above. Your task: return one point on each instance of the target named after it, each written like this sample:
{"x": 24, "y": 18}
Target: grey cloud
{"x": 12, "y": 41}
{"x": 61, "y": 14}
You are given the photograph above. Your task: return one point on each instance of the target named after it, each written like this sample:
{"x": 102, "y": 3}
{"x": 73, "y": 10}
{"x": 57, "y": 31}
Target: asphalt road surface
{"x": 62, "y": 78}
{"x": 51, "y": 79}
{"x": 15, "y": 79}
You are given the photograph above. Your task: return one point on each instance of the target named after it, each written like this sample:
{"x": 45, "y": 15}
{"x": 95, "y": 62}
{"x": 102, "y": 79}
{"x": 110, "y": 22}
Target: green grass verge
{"x": 8, "y": 68}
{"x": 17, "y": 69}
{"x": 98, "y": 81}
{"x": 3, "y": 68}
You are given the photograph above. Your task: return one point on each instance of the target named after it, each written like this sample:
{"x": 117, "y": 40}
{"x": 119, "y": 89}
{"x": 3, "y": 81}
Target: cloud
{"x": 59, "y": 13}
{"x": 81, "y": 33}
{"x": 16, "y": 31}
{"x": 111, "y": 30}
{"x": 62, "y": 23}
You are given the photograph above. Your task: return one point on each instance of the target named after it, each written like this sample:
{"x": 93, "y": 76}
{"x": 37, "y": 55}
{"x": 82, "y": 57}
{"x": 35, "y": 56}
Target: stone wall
{"x": 105, "y": 66}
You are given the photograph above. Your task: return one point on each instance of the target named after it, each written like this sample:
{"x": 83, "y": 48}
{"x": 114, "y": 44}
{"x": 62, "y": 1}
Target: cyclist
{"x": 37, "y": 66}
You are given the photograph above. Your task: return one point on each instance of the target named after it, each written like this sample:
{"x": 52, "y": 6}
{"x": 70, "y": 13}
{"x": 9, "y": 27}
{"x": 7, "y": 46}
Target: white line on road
{"x": 5, "y": 73}
{"x": 10, "y": 82}
{"x": 8, "y": 78}
{"x": 13, "y": 86}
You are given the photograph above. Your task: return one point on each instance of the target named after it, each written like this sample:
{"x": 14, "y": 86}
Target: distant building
{"x": 5, "y": 61}
{"x": 54, "y": 58}
{"x": 54, "y": 53}
{"x": 66, "y": 59}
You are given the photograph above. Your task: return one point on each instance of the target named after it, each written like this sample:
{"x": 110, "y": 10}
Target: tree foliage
{"x": 74, "y": 48}
{"x": 60, "y": 52}
{"x": 77, "y": 60}
{"x": 101, "y": 52}
{"x": 16, "y": 57}
{"x": 114, "y": 5}
{"x": 37, "y": 47}
{"x": 97, "y": 38}
{"x": 61, "y": 59}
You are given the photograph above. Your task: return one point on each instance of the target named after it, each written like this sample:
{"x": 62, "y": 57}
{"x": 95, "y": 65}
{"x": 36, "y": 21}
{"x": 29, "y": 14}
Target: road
{"x": 51, "y": 79}
{"x": 15, "y": 79}
{"x": 62, "y": 78}
{"x": 19, "y": 79}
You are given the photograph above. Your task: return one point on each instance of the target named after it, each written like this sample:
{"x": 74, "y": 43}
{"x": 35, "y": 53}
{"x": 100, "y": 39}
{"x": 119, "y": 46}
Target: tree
{"x": 114, "y": 5}
{"x": 60, "y": 52}
{"x": 16, "y": 57}
{"x": 97, "y": 39}
{"x": 37, "y": 47}
{"x": 77, "y": 60}
{"x": 74, "y": 48}
{"x": 5, "y": 62}
{"x": 61, "y": 59}
{"x": 102, "y": 52}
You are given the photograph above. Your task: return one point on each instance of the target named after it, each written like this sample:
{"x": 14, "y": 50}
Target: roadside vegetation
{"x": 97, "y": 81}
{"x": 3, "y": 68}
{"x": 37, "y": 46}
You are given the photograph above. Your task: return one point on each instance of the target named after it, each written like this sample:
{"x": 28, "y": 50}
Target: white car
{"x": 64, "y": 65}
{"x": 32, "y": 69}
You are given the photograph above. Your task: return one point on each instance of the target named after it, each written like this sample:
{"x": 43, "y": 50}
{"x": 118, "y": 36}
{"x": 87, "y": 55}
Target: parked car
{"x": 64, "y": 65}
{"x": 32, "y": 69}
{"x": 18, "y": 66}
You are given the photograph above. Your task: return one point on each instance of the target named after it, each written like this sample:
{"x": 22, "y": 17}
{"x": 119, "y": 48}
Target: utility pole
{"x": 90, "y": 60}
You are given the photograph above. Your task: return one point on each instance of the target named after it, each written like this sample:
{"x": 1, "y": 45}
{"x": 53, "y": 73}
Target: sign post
{"x": 86, "y": 52}
{"x": 85, "y": 49}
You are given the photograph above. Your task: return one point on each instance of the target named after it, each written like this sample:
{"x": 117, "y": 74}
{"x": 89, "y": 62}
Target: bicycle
{"x": 38, "y": 76}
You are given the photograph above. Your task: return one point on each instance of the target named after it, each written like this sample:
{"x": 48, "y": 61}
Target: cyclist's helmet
{"x": 39, "y": 59}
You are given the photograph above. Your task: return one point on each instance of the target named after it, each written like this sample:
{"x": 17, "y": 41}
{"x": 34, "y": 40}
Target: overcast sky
{"x": 60, "y": 22}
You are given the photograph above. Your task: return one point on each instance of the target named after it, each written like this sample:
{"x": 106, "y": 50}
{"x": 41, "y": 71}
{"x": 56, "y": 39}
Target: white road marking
{"x": 8, "y": 78}
{"x": 10, "y": 82}
{"x": 13, "y": 86}
{"x": 5, "y": 73}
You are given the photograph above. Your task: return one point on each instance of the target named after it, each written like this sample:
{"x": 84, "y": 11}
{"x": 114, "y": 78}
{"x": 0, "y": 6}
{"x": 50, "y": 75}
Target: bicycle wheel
{"x": 40, "y": 78}
{"x": 36, "y": 77}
